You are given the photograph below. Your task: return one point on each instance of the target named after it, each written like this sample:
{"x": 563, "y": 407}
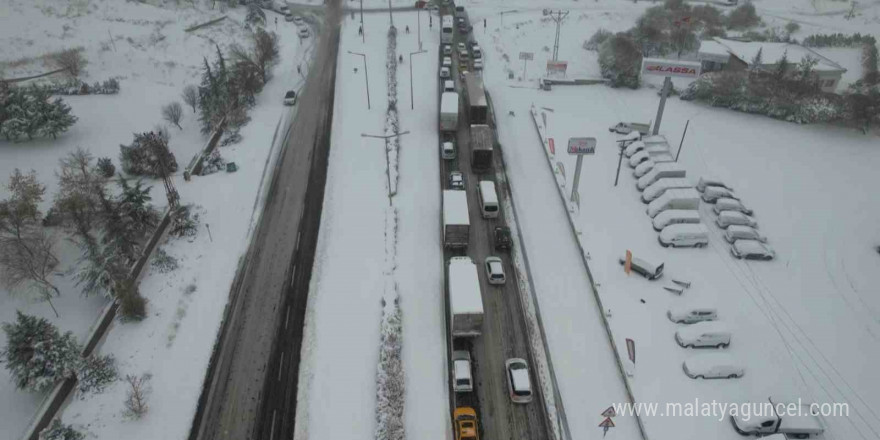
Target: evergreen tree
{"x": 134, "y": 205}
{"x": 95, "y": 373}
{"x": 58, "y": 119}
{"x": 148, "y": 155}
{"x": 758, "y": 60}
{"x": 781, "y": 67}
{"x": 60, "y": 431}
{"x": 37, "y": 355}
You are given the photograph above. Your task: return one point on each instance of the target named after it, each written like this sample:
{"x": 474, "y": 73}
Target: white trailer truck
{"x": 456, "y": 223}
{"x": 449, "y": 111}
{"x": 465, "y": 299}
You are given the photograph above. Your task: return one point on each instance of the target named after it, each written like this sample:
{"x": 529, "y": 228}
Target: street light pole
{"x": 363, "y": 32}
{"x": 419, "y": 20}
{"x": 366, "y": 75}
{"x": 412, "y": 105}
{"x": 390, "y": 16}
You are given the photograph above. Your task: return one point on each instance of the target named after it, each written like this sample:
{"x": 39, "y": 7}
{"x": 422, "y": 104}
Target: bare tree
{"x": 81, "y": 190}
{"x": 71, "y": 60}
{"x": 136, "y": 402}
{"x": 26, "y": 257}
{"x": 263, "y": 54}
{"x": 173, "y": 113}
{"x": 191, "y": 96}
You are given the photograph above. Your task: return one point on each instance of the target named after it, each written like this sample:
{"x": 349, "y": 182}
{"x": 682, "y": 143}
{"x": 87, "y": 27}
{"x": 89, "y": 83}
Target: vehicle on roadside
{"x": 461, "y": 47}
{"x": 633, "y": 148}
{"x": 644, "y": 268}
{"x": 289, "y": 17}
{"x": 463, "y": 56}
{"x": 711, "y": 181}
{"x": 675, "y": 217}
{"x": 737, "y": 232}
{"x": 494, "y": 270}
{"x": 628, "y": 127}
{"x": 448, "y": 85}
{"x": 444, "y": 73}
{"x": 447, "y": 61}
{"x": 659, "y": 187}
{"x": 676, "y": 198}
{"x": 712, "y": 193}
{"x": 448, "y": 108}
{"x": 684, "y": 235}
{"x": 730, "y": 218}
{"x": 477, "y": 51}
{"x": 461, "y": 369}
{"x": 290, "y": 98}
{"x": 284, "y": 9}
{"x": 801, "y": 420}
{"x": 712, "y": 366}
{"x": 303, "y": 32}
{"x": 703, "y": 334}
{"x": 447, "y": 149}
{"x": 691, "y": 315}
{"x": 456, "y": 221}
{"x": 456, "y": 180}
{"x": 726, "y": 204}
{"x": 297, "y": 20}
{"x": 465, "y": 424}
{"x": 752, "y": 250}
{"x": 518, "y": 383}
{"x": 478, "y": 64}
{"x": 659, "y": 171}
{"x": 488, "y": 199}
{"x": 649, "y": 154}
{"x": 501, "y": 238}
{"x": 465, "y": 296}
{"x": 447, "y": 49}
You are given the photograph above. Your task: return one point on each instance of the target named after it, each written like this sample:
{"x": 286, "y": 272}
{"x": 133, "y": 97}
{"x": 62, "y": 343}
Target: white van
{"x": 675, "y": 217}
{"x": 711, "y": 181}
{"x": 447, "y": 150}
{"x": 488, "y": 199}
{"x": 684, "y": 235}
{"x": 649, "y": 154}
{"x": 461, "y": 368}
{"x": 659, "y": 187}
{"x": 676, "y": 198}
{"x": 690, "y": 315}
{"x": 703, "y": 334}
{"x": 660, "y": 170}
{"x": 712, "y": 366}
{"x": 741, "y": 232}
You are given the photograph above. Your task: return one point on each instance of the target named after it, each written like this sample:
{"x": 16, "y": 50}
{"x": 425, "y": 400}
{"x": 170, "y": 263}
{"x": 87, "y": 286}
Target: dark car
{"x": 502, "y": 241}
{"x": 290, "y": 98}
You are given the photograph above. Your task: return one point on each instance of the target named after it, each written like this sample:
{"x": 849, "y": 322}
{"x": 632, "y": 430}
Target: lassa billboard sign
{"x": 661, "y": 67}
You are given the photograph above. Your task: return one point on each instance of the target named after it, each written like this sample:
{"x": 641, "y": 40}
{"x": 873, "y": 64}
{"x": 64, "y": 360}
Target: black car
{"x": 503, "y": 241}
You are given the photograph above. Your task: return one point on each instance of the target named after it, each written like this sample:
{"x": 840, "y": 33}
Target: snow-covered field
{"x": 341, "y": 342}
{"x": 154, "y": 59}
{"x": 804, "y": 325}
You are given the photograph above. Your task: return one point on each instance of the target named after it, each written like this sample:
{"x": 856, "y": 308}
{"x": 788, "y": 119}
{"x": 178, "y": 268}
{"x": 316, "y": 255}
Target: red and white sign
{"x": 552, "y": 147}
{"x": 661, "y": 67}
{"x": 631, "y": 349}
{"x": 609, "y": 412}
{"x": 607, "y": 423}
{"x": 556, "y": 68}
{"x": 586, "y": 145}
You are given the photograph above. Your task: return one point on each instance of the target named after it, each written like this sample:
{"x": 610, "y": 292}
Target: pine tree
{"x": 58, "y": 119}
{"x": 148, "y": 155}
{"x": 95, "y": 373}
{"x": 134, "y": 204}
{"x": 758, "y": 60}
{"x": 781, "y": 67}
{"x": 37, "y": 355}
{"x": 207, "y": 98}
{"x": 60, "y": 431}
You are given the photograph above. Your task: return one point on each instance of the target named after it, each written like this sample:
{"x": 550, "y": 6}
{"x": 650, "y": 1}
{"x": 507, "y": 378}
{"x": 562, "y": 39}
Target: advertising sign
{"x": 662, "y": 67}
{"x": 528, "y": 56}
{"x": 557, "y": 67}
{"x": 584, "y": 145}
{"x": 631, "y": 349}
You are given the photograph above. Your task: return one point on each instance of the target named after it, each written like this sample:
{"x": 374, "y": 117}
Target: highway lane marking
{"x": 280, "y": 364}
{"x": 287, "y": 319}
{"x": 272, "y": 431}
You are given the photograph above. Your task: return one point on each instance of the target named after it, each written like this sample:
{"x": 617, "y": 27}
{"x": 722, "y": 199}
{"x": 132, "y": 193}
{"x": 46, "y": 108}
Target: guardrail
{"x": 195, "y": 165}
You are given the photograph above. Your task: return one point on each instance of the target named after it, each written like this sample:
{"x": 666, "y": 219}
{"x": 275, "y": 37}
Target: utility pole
{"x": 558, "y": 19}
{"x": 419, "y": 20}
{"x": 366, "y": 76}
{"x": 667, "y": 83}
{"x": 412, "y": 104}
{"x": 389, "y": 13}
{"x": 683, "y": 134}
{"x": 363, "y": 33}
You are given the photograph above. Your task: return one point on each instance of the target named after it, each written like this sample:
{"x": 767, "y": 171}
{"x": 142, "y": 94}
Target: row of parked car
{"x": 740, "y": 228}
{"x": 701, "y": 329}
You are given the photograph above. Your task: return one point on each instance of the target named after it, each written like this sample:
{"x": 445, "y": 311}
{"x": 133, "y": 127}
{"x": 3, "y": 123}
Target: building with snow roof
{"x": 723, "y": 54}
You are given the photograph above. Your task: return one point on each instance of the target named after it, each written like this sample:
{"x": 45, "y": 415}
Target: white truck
{"x": 456, "y": 222}
{"x": 792, "y": 419}
{"x": 449, "y": 111}
{"x": 465, "y": 299}
{"x": 676, "y": 198}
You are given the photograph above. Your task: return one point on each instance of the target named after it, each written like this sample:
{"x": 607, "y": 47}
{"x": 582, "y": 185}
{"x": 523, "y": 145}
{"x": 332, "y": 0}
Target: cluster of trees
{"x": 30, "y": 112}
{"x": 390, "y": 377}
{"x": 227, "y": 91}
{"x": 838, "y": 40}
{"x": 148, "y": 155}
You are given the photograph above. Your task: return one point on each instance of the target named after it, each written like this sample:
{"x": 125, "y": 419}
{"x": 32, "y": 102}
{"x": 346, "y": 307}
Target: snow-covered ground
{"x": 341, "y": 341}
{"x": 154, "y": 59}
{"x": 802, "y": 324}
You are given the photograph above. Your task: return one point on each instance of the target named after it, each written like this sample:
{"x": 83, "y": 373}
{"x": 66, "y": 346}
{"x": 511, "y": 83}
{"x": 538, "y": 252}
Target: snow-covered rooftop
{"x": 770, "y": 52}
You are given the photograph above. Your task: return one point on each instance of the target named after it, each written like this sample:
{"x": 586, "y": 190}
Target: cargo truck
{"x": 465, "y": 299}
{"x": 792, "y": 419}
{"x": 676, "y": 198}
{"x": 449, "y": 111}
{"x": 659, "y": 171}
{"x": 456, "y": 223}
{"x": 481, "y": 148}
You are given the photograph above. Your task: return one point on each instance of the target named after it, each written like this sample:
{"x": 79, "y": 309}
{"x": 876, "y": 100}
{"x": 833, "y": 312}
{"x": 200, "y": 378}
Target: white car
{"x": 462, "y": 47}
{"x": 290, "y": 98}
{"x": 712, "y": 193}
{"x": 447, "y": 149}
{"x": 730, "y": 218}
{"x": 494, "y": 270}
{"x": 752, "y": 250}
{"x": 711, "y": 181}
{"x": 448, "y": 86}
{"x": 703, "y": 334}
{"x": 447, "y": 49}
{"x": 297, "y": 20}
{"x": 303, "y": 32}
{"x": 690, "y": 315}
{"x": 725, "y": 204}
{"x": 456, "y": 180}
{"x": 447, "y": 61}
{"x": 684, "y": 235}
{"x": 712, "y": 366}
{"x": 288, "y": 17}
{"x": 462, "y": 56}
{"x": 461, "y": 368}
{"x": 518, "y": 383}
{"x": 634, "y": 148}
{"x": 444, "y": 73}
{"x": 737, "y": 232}
{"x": 674, "y": 217}
{"x": 478, "y": 64}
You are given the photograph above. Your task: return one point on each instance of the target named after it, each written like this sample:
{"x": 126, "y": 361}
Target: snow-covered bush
{"x": 597, "y": 39}
{"x": 106, "y": 167}
{"x": 37, "y": 355}
{"x": 184, "y": 222}
{"x": 95, "y": 373}
{"x": 136, "y": 399}
{"x": 59, "y": 431}
{"x": 148, "y": 155}
{"x": 75, "y": 86}
{"x": 620, "y": 61}
{"x": 163, "y": 262}
{"x": 838, "y": 40}
{"x": 743, "y": 17}
{"x": 390, "y": 384}
{"x": 213, "y": 163}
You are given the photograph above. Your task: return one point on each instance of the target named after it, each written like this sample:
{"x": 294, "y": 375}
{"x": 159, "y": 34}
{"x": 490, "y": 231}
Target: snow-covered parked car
{"x": 674, "y": 217}
{"x": 634, "y": 148}
{"x": 659, "y": 187}
{"x": 736, "y": 232}
{"x": 478, "y": 64}
{"x": 288, "y": 17}
{"x": 290, "y": 98}
{"x": 712, "y": 193}
{"x": 703, "y": 334}
{"x": 684, "y": 235}
{"x": 657, "y": 153}
{"x": 726, "y": 204}
{"x": 444, "y": 73}
{"x": 629, "y": 127}
{"x": 752, "y": 250}
{"x": 711, "y": 181}
{"x": 712, "y": 366}
{"x": 518, "y": 383}
{"x": 690, "y": 315}
{"x": 730, "y": 218}
{"x": 297, "y": 20}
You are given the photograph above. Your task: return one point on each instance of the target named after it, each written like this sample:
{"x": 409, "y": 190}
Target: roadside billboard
{"x": 582, "y": 145}
{"x": 556, "y": 67}
{"x": 678, "y": 68}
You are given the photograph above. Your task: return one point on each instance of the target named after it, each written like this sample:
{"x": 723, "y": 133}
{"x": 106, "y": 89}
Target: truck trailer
{"x": 477, "y": 105}
{"x": 465, "y": 298}
{"x": 456, "y": 223}
{"x": 449, "y": 111}
{"x": 481, "y": 148}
